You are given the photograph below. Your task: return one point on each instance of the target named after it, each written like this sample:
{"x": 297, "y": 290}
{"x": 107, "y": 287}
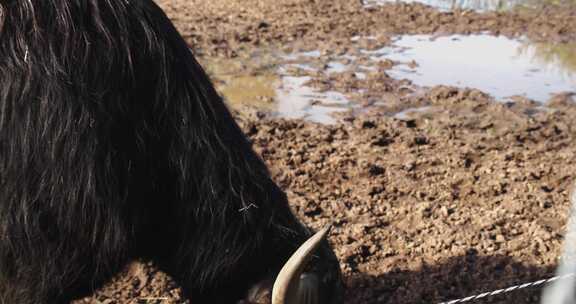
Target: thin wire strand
{"x": 510, "y": 289}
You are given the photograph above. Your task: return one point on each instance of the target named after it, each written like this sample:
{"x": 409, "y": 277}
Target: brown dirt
{"x": 467, "y": 197}
{"x": 230, "y": 27}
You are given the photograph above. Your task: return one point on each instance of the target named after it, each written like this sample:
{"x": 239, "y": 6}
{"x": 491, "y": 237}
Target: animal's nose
{"x": 288, "y": 287}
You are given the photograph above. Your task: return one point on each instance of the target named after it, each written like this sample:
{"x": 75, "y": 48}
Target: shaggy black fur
{"x": 113, "y": 145}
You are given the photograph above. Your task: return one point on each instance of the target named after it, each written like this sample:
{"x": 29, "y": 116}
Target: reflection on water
{"x": 478, "y": 5}
{"x": 496, "y": 65}
{"x": 559, "y": 57}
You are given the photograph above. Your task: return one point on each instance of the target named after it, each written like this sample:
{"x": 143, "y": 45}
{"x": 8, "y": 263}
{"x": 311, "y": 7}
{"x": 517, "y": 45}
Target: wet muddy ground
{"x": 436, "y": 192}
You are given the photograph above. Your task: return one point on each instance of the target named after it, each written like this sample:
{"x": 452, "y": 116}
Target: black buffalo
{"x": 114, "y": 145}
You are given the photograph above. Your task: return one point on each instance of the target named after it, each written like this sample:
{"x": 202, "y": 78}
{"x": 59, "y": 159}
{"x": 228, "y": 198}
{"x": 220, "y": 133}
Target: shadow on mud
{"x": 458, "y": 277}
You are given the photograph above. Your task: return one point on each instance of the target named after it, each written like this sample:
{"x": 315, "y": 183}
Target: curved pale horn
{"x": 285, "y": 287}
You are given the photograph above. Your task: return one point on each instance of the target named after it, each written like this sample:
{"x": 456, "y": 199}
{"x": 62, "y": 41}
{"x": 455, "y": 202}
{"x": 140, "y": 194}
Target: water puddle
{"x": 264, "y": 83}
{"x": 499, "y": 66}
{"x": 502, "y": 67}
{"x": 477, "y": 5}
{"x": 296, "y": 100}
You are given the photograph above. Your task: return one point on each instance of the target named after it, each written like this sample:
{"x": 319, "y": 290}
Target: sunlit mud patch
{"x": 477, "y": 5}
{"x": 413, "y": 113}
{"x": 254, "y": 90}
{"x": 264, "y": 83}
{"x": 499, "y": 66}
{"x": 244, "y": 81}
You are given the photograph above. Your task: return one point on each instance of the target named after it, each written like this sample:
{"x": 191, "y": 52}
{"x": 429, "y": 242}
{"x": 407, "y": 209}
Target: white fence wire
{"x": 560, "y": 289}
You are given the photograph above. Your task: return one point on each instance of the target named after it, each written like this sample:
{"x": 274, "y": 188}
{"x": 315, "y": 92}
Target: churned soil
{"x": 232, "y": 27}
{"x": 468, "y": 199}
{"x": 468, "y": 196}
